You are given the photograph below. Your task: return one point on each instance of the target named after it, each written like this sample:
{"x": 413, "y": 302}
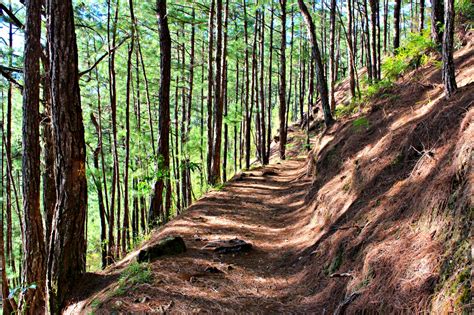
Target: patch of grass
{"x": 95, "y": 304}
{"x": 347, "y": 110}
{"x": 365, "y": 282}
{"x": 133, "y": 275}
{"x": 360, "y": 123}
{"x": 347, "y": 186}
{"x": 398, "y": 159}
{"x": 337, "y": 261}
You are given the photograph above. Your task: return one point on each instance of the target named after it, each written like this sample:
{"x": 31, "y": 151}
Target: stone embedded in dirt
{"x": 171, "y": 245}
{"x": 227, "y": 247}
{"x": 143, "y": 299}
{"x": 198, "y": 238}
{"x": 212, "y": 269}
{"x": 269, "y": 172}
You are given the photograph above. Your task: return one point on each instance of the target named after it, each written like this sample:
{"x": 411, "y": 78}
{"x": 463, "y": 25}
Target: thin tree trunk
{"x": 224, "y": 90}
{"x": 385, "y": 26}
{"x": 8, "y": 149}
{"x": 316, "y": 56}
{"x": 351, "y": 48}
{"x": 437, "y": 20}
{"x": 396, "y": 24}
{"x": 126, "y": 220}
{"x": 49, "y": 186}
{"x": 111, "y": 73}
{"x": 8, "y": 305}
{"x": 216, "y": 150}
{"x": 373, "y": 17}
{"x": 34, "y": 250}
{"x": 449, "y": 75}
{"x": 247, "y": 94}
{"x": 98, "y": 184}
{"x": 156, "y": 204}
{"x": 422, "y": 16}
{"x": 237, "y": 86}
{"x": 270, "y": 75}
{"x": 210, "y": 80}
{"x": 332, "y": 61}
{"x": 282, "y": 87}
{"x": 201, "y": 147}
{"x": 262, "y": 90}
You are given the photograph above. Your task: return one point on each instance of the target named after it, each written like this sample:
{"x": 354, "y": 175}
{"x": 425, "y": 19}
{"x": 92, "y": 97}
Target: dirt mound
{"x": 393, "y": 186}
{"x": 382, "y": 226}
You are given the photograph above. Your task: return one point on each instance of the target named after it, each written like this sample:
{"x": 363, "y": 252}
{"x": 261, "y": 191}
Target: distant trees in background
{"x": 127, "y": 118}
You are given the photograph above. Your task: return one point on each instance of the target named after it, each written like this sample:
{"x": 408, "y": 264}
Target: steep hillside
{"x": 377, "y": 219}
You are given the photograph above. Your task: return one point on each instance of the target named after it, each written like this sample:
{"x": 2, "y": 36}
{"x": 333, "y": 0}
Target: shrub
{"x": 411, "y": 54}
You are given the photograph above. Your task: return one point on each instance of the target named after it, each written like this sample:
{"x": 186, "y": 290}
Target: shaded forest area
{"x": 131, "y": 111}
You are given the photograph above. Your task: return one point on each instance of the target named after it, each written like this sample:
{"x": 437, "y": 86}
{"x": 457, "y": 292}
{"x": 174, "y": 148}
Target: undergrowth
{"x": 413, "y": 53}
{"x": 465, "y": 11}
{"x": 133, "y": 275}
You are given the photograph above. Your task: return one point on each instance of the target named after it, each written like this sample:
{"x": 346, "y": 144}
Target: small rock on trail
{"x": 168, "y": 246}
{"x": 231, "y": 246}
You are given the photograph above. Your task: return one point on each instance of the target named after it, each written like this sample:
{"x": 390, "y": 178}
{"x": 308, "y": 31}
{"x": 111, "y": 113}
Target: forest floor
{"x": 381, "y": 224}
{"x": 257, "y": 206}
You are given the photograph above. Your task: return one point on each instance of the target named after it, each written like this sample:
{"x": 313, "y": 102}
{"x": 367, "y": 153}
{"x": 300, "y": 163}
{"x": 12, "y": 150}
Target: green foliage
{"x": 465, "y": 9}
{"x": 347, "y": 110}
{"x": 134, "y": 274}
{"x": 366, "y": 281}
{"x": 411, "y": 54}
{"x": 337, "y": 261}
{"x": 360, "y": 123}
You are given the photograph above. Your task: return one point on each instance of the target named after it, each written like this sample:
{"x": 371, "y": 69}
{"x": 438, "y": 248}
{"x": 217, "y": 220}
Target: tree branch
{"x": 103, "y": 57}
{"x": 8, "y": 76}
{"x": 11, "y": 15}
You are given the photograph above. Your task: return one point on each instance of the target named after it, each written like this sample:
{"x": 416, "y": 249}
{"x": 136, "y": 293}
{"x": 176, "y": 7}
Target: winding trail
{"x": 259, "y": 207}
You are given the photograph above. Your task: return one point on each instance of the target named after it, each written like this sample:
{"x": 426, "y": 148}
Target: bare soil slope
{"x": 381, "y": 224}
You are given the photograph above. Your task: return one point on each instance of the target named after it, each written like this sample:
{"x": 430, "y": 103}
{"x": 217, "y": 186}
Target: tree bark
{"x": 210, "y": 80}
{"x": 156, "y": 204}
{"x": 422, "y": 16}
{"x": 449, "y": 75}
{"x": 437, "y": 17}
{"x": 373, "y": 17}
{"x": 332, "y": 61}
{"x": 350, "y": 47}
{"x": 98, "y": 184}
{"x": 270, "y": 75}
{"x": 263, "y": 143}
{"x": 282, "y": 88}
{"x": 8, "y": 149}
{"x": 126, "y": 219}
{"x": 218, "y": 106}
{"x": 224, "y": 89}
{"x": 34, "y": 250}
{"x": 246, "y": 122}
{"x": 66, "y": 262}
{"x": 396, "y": 24}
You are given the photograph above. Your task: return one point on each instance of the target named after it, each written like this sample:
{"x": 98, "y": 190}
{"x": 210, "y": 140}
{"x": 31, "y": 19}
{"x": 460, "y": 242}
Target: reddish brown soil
{"x": 388, "y": 204}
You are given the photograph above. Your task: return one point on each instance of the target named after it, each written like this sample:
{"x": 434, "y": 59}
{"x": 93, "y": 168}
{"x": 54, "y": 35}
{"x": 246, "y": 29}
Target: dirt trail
{"x": 259, "y": 208}
{"x": 381, "y": 210}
